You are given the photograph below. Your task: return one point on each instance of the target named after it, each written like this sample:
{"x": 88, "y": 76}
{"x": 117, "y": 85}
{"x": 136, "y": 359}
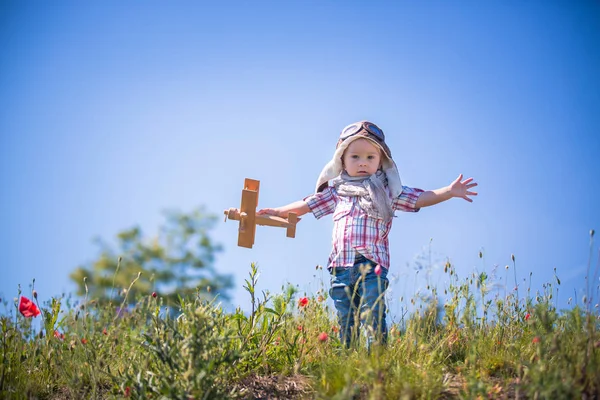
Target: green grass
{"x": 475, "y": 344}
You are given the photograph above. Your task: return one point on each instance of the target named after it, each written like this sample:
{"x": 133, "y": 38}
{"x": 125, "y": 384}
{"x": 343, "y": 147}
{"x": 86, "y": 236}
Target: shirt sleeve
{"x": 407, "y": 200}
{"x": 322, "y": 203}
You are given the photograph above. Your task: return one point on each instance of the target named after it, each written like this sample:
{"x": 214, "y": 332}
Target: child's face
{"x": 362, "y": 158}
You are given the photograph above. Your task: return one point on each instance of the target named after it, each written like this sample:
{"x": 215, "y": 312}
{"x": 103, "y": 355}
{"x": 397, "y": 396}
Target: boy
{"x": 361, "y": 187}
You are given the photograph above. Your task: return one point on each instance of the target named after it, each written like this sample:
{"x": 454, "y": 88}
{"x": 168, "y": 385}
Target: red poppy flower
{"x": 28, "y": 308}
{"x": 59, "y": 335}
{"x": 536, "y": 340}
{"x": 527, "y": 316}
{"x": 83, "y": 341}
{"x": 303, "y": 301}
{"x": 127, "y": 391}
{"x": 323, "y": 337}
{"x": 154, "y": 294}
{"x": 104, "y": 332}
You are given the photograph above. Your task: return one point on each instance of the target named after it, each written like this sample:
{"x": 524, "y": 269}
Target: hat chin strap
{"x": 334, "y": 167}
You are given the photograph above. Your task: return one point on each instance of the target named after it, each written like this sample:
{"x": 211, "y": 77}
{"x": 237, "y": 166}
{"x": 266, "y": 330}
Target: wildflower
{"x": 154, "y": 294}
{"x": 303, "y": 301}
{"x": 104, "y": 332}
{"x": 127, "y": 391}
{"x": 335, "y": 329}
{"x": 28, "y": 308}
{"x": 497, "y": 389}
{"x": 59, "y": 335}
{"x": 300, "y": 328}
{"x": 84, "y": 341}
{"x": 378, "y": 270}
{"x": 527, "y": 316}
{"x": 323, "y": 337}
{"x": 536, "y": 340}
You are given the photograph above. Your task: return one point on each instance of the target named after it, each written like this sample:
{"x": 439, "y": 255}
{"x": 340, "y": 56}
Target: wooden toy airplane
{"x": 248, "y": 218}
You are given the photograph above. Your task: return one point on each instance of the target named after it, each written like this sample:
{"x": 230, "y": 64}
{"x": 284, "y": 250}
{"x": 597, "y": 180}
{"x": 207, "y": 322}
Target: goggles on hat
{"x": 356, "y": 127}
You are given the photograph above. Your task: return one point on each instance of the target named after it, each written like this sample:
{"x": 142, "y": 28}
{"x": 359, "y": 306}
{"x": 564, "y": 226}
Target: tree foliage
{"x": 178, "y": 261}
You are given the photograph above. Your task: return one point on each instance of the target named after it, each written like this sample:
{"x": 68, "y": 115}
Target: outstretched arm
{"x": 458, "y": 188}
{"x": 299, "y": 207}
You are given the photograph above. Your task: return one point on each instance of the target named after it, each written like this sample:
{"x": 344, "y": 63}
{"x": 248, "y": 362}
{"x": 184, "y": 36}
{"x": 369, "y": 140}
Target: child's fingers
{"x": 266, "y": 211}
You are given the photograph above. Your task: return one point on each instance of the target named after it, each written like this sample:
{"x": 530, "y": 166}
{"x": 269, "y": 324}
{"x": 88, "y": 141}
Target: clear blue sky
{"x": 111, "y": 112}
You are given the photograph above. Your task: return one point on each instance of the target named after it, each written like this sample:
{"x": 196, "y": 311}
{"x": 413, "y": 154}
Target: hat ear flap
{"x": 393, "y": 176}
{"x": 331, "y": 170}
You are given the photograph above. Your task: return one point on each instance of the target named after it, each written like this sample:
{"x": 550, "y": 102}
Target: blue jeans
{"x": 358, "y": 297}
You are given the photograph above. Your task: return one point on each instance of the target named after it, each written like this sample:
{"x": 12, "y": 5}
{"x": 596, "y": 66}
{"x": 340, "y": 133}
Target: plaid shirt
{"x": 355, "y": 231}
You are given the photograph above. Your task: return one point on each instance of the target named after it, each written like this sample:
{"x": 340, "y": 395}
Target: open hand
{"x": 460, "y": 188}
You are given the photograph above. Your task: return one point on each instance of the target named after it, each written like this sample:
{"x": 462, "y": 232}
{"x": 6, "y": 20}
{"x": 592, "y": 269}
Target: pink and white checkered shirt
{"x": 354, "y": 230}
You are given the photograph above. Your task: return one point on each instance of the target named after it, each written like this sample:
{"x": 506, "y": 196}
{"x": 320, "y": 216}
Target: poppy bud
{"x": 378, "y": 270}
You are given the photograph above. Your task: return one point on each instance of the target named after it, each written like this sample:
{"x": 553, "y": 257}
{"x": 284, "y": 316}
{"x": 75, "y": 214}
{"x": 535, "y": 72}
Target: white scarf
{"x": 374, "y": 197}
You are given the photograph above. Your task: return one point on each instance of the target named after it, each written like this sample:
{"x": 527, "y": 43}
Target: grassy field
{"x": 476, "y": 344}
